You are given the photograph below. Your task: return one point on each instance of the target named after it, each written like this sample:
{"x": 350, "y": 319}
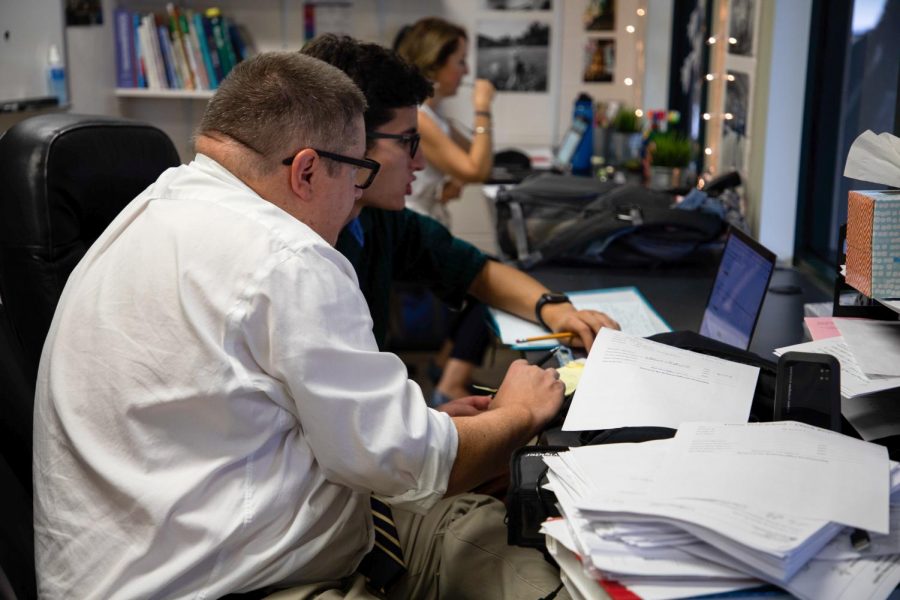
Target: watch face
{"x": 556, "y": 297}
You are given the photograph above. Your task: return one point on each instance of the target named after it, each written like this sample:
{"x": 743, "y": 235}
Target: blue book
{"x": 204, "y": 51}
{"x": 215, "y": 57}
{"x": 125, "y": 61}
{"x": 165, "y": 46}
{"x": 140, "y": 64}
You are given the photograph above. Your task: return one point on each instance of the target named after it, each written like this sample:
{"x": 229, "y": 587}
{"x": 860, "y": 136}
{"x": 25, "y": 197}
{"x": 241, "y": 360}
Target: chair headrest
{"x": 63, "y": 178}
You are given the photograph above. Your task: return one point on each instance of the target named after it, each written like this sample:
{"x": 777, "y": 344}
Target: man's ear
{"x": 302, "y": 169}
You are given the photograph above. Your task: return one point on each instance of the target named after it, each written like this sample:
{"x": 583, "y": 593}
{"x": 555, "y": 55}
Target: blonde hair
{"x": 429, "y": 42}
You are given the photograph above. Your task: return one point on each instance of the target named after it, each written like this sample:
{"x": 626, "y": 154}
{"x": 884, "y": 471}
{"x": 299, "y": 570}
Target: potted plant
{"x": 625, "y": 137}
{"x": 669, "y": 154}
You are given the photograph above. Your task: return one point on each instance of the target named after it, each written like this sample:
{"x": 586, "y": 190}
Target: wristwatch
{"x": 548, "y": 298}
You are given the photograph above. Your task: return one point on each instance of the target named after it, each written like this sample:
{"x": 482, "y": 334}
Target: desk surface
{"x": 679, "y": 294}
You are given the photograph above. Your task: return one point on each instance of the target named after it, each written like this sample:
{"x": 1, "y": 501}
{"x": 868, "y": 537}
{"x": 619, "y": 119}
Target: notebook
{"x": 515, "y": 171}
{"x": 738, "y": 291}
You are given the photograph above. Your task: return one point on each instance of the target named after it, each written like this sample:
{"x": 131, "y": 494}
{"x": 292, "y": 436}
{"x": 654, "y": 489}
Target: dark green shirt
{"x": 409, "y": 247}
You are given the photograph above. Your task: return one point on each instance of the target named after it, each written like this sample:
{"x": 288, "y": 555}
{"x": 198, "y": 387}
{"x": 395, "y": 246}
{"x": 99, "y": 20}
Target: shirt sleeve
{"x": 366, "y": 423}
{"x": 427, "y": 253}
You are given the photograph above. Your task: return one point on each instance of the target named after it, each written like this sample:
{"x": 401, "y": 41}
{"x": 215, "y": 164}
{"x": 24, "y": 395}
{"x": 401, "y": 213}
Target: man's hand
{"x": 583, "y": 323}
{"x": 536, "y": 390}
{"x": 466, "y": 406}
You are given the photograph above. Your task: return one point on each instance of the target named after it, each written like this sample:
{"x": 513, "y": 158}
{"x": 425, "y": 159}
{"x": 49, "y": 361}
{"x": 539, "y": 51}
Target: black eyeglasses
{"x": 367, "y": 168}
{"x": 410, "y": 139}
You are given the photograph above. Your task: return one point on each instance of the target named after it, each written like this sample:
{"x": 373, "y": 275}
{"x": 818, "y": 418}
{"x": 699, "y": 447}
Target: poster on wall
{"x": 600, "y": 15}
{"x": 517, "y": 4}
{"x": 741, "y": 27}
{"x": 735, "y": 124}
{"x": 514, "y": 55}
{"x": 599, "y": 61}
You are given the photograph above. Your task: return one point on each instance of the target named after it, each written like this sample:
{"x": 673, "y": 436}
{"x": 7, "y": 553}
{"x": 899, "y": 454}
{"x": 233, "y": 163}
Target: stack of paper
{"x": 726, "y": 507}
{"x": 624, "y": 305}
{"x": 868, "y": 351}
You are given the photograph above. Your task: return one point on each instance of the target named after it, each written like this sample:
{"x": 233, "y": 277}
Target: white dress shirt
{"x": 212, "y": 410}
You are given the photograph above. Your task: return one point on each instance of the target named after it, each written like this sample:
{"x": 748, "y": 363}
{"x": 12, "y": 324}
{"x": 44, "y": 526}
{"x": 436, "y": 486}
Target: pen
{"x": 546, "y": 357}
{"x": 549, "y": 336}
{"x": 484, "y": 388}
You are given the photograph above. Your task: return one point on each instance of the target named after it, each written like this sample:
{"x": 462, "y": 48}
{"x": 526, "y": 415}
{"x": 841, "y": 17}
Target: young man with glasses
{"x": 212, "y": 412}
{"x": 389, "y": 243}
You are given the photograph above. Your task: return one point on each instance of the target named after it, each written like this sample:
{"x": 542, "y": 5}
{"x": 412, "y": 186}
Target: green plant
{"x": 671, "y": 149}
{"x": 626, "y": 121}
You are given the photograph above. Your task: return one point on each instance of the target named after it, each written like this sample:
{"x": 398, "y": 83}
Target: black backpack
{"x": 564, "y": 218}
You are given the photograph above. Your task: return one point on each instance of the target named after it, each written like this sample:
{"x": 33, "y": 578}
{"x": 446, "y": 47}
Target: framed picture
{"x": 600, "y": 15}
{"x": 735, "y": 125}
{"x": 599, "y": 61}
{"x": 513, "y": 55}
{"x": 517, "y": 5}
{"x": 741, "y": 27}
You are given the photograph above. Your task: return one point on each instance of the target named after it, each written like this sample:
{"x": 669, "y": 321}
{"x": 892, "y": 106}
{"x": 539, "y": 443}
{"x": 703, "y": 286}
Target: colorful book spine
{"x": 222, "y": 48}
{"x": 126, "y": 69}
{"x": 192, "y": 50}
{"x": 149, "y": 48}
{"x": 139, "y": 61}
{"x": 173, "y": 79}
{"x": 182, "y": 63}
{"x": 213, "y": 49}
{"x": 200, "y": 32}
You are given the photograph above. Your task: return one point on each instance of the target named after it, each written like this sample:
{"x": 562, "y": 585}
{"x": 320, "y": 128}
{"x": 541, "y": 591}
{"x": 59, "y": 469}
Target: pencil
{"x": 484, "y": 388}
{"x": 549, "y": 336}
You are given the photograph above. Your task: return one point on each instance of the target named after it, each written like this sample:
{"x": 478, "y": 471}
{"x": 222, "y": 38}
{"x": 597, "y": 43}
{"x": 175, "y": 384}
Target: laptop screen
{"x": 562, "y": 158}
{"x": 738, "y": 292}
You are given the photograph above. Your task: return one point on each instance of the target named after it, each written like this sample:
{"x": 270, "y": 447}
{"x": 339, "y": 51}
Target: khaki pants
{"x": 457, "y": 550}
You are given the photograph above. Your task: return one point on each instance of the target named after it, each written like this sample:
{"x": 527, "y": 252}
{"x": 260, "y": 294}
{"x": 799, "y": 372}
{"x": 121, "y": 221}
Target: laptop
{"x": 513, "y": 166}
{"x": 738, "y": 291}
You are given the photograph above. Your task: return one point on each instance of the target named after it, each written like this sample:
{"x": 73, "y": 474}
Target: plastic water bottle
{"x": 56, "y": 76}
{"x": 581, "y": 161}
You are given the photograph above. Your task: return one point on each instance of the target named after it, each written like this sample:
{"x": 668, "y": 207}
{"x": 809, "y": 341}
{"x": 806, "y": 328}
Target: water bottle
{"x": 56, "y": 76}
{"x": 581, "y": 161}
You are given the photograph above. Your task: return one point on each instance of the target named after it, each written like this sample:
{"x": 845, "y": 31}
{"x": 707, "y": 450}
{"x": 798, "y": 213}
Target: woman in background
{"x": 439, "y": 49}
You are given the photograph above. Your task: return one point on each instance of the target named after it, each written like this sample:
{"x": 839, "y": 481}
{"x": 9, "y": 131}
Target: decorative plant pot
{"x": 624, "y": 147}
{"x": 663, "y": 178}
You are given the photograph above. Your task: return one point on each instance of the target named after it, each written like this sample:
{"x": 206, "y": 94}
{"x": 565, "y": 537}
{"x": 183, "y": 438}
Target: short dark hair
{"x": 278, "y": 102}
{"x": 387, "y": 81}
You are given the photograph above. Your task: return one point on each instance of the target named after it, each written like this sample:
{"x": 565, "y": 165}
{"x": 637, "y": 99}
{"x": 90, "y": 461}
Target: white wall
{"x": 785, "y": 84}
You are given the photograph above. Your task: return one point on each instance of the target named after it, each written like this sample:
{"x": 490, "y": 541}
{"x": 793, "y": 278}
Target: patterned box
{"x": 873, "y": 242}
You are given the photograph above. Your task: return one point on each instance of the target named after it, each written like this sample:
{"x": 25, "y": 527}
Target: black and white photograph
{"x": 514, "y": 55}
{"x": 517, "y": 5}
{"x": 740, "y": 27}
{"x": 599, "y": 61}
{"x": 734, "y": 125}
{"x": 600, "y": 15}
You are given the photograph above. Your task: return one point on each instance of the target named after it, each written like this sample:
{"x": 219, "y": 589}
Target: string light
{"x": 710, "y": 76}
{"x": 708, "y": 151}
{"x": 707, "y": 116}
{"x": 638, "y": 113}
{"x": 732, "y": 41}
{"x": 711, "y": 40}
{"x": 630, "y": 28}
{"x": 629, "y": 81}
{"x": 729, "y": 77}
{"x": 641, "y": 12}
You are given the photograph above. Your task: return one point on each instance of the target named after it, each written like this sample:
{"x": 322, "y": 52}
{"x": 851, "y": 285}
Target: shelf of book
{"x": 163, "y": 94}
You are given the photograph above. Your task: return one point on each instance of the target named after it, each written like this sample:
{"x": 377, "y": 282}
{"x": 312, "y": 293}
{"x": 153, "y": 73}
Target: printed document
{"x": 875, "y": 345}
{"x": 625, "y": 305}
{"x": 853, "y": 381}
{"x": 630, "y": 381}
{"x": 788, "y": 467}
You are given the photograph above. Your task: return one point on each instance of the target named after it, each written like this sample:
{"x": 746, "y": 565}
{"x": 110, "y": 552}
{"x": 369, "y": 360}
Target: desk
{"x": 679, "y": 294}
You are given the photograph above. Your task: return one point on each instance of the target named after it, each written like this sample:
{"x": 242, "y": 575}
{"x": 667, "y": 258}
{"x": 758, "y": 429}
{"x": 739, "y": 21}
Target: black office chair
{"x": 63, "y": 178}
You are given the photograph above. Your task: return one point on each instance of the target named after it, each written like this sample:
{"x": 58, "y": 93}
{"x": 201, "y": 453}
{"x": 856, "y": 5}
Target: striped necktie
{"x": 384, "y": 564}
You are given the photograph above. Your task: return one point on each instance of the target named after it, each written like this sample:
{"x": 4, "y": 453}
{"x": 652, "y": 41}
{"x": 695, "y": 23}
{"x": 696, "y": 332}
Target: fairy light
{"x": 707, "y": 116}
{"x": 638, "y": 113}
{"x": 708, "y": 151}
{"x": 710, "y": 76}
{"x": 629, "y": 81}
{"x": 641, "y": 12}
{"x": 630, "y": 28}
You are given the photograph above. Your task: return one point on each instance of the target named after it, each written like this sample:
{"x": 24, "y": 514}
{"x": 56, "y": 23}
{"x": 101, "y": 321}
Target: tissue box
{"x": 873, "y": 242}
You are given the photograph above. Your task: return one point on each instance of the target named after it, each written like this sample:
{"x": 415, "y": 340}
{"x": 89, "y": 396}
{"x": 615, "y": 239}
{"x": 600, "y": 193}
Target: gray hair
{"x": 279, "y": 102}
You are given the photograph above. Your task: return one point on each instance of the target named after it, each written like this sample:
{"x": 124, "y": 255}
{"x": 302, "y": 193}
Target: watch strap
{"x": 548, "y": 298}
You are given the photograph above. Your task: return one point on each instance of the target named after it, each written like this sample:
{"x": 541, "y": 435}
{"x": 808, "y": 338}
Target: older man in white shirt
{"x": 212, "y": 411}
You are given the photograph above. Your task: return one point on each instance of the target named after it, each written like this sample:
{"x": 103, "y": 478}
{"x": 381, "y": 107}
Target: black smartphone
{"x": 808, "y": 389}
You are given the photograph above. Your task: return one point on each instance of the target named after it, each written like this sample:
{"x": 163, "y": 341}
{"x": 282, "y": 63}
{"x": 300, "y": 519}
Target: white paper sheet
{"x": 630, "y": 381}
{"x": 875, "y": 344}
{"x": 853, "y": 381}
{"x": 625, "y": 305}
{"x": 790, "y": 467}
